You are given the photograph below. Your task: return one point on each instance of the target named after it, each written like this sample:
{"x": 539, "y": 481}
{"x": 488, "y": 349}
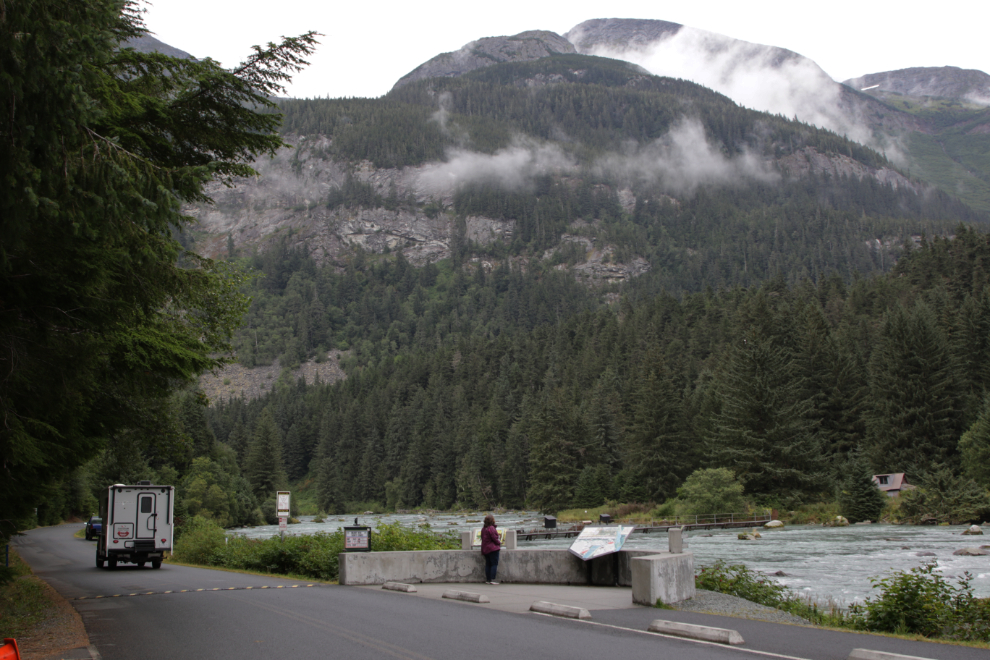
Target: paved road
{"x": 218, "y": 616}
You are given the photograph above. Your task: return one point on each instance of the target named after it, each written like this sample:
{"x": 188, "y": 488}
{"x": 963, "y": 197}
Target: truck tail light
{"x": 163, "y": 540}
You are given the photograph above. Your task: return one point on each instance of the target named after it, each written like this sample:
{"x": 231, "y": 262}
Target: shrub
{"x": 310, "y": 555}
{"x": 711, "y": 491}
{"x": 922, "y": 601}
{"x": 201, "y": 538}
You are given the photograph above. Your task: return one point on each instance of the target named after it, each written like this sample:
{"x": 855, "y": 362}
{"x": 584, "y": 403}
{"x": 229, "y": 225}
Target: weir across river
{"x": 688, "y": 523}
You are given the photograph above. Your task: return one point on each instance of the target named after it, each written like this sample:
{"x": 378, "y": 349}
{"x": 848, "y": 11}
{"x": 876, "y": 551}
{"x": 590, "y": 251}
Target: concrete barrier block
{"x": 466, "y": 596}
{"x": 691, "y": 631}
{"x": 466, "y": 539}
{"x": 399, "y": 586}
{"x": 510, "y": 540}
{"x": 666, "y": 577}
{"x": 568, "y": 611}
{"x": 867, "y": 654}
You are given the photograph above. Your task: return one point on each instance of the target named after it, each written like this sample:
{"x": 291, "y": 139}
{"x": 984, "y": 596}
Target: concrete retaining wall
{"x": 666, "y": 576}
{"x": 549, "y": 566}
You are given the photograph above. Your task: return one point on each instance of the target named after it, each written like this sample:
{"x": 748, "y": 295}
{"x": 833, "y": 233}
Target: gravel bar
{"x": 712, "y": 602}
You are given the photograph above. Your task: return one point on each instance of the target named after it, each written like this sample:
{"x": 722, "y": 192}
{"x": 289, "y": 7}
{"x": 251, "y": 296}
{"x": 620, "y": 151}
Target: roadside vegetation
{"x": 24, "y": 600}
{"x": 914, "y": 602}
{"x": 205, "y": 543}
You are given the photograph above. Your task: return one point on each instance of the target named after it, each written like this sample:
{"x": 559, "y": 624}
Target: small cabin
{"x": 892, "y": 484}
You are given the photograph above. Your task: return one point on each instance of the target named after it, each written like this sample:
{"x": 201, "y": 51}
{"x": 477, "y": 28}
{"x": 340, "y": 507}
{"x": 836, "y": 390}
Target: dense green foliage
{"x": 103, "y": 314}
{"x": 712, "y": 490}
{"x": 922, "y": 601}
{"x": 311, "y": 556}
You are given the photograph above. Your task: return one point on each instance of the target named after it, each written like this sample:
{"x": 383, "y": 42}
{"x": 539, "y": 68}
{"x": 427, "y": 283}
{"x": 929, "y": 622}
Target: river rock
{"x": 746, "y": 537}
{"x": 774, "y": 524}
{"x": 974, "y": 530}
{"x": 924, "y": 554}
{"x": 779, "y": 574}
{"x": 971, "y": 552}
{"x": 839, "y": 521}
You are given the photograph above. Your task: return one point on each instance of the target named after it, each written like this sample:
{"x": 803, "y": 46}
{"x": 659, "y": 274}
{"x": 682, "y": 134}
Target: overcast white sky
{"x": 369, "y": 45}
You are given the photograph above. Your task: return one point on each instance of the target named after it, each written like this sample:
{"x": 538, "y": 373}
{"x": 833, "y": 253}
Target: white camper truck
{"x": 137, "y": 524}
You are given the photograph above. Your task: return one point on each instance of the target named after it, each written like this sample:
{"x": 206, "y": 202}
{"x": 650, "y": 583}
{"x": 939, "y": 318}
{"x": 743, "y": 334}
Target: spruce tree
{"x": 914, "y": 415}
{"x": 763, "y": 432}
{"x": 859, "y": 498}
{"x": 264, "y": 469}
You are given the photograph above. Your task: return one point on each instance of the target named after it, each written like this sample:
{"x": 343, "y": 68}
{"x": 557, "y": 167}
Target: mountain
{"x": 148, "y": 44}
{"x": 951, "y": 146}
{"x": 523, "y": 47}
{"x": 946, "y": 82}
{"x": 581, "y": 163}
{"x": 783, "y": 82}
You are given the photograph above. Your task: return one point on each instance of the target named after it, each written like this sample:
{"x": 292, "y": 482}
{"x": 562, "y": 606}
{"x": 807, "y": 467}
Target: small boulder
{"x": 773, "y": 524}
{"x": 971, "y": 552}
{"x": 839, "y": 521}
{"x": 924, "y": 554}
{"x": 974, "y": 530}
{"x": 779, "y": 574}
{"x": 746, "y": 537}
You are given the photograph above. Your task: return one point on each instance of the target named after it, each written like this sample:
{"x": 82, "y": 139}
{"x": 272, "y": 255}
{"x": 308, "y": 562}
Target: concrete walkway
{"x": 613, "y": 606}
{"x": 518, "y": 597}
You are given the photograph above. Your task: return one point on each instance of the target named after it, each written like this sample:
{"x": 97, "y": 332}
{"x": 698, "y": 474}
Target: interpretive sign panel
{"x": 282, "y": 521}
{"x": 476, "y": 538}
{"x": 598, "y": 541}
{"x": 357, "y": 539}
{"x": 282, "y": 504}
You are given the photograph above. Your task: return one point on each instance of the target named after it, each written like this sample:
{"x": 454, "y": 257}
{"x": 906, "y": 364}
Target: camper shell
{"x": 137, "y": 524}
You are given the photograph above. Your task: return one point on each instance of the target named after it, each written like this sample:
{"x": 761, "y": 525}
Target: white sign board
{"x": 598, "y": 541}
{"x": 282, "y": 504}
{"x": 282, "y": 523}
{"x": 356, "y": 539}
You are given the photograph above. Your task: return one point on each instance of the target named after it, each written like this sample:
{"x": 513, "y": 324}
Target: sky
{"x": 367, "y": 46}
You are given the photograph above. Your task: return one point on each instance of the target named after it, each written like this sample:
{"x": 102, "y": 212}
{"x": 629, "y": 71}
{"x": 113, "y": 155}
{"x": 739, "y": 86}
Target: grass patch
{"x": 24, "y": 602}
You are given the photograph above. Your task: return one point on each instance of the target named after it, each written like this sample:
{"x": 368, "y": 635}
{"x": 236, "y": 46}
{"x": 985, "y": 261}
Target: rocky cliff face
{"x": 949, "y": 82}
{"x": 525, "y": 46}
{"x": 288, "y": 198}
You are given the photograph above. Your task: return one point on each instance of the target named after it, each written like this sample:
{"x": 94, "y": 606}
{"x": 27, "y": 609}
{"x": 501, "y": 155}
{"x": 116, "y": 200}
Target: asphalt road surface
{"x": 178, "y": 612}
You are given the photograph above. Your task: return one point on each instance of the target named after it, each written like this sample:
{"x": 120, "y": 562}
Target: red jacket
{"x": 489, "y": 540}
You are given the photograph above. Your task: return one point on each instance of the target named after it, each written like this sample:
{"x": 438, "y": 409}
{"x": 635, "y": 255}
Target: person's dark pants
{"x": 491, "y": 566}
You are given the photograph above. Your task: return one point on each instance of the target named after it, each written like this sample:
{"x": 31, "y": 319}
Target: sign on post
{"x": 357, "y": 539}
{"x": 282, "y": 503}
{"x": 597, "y": 541}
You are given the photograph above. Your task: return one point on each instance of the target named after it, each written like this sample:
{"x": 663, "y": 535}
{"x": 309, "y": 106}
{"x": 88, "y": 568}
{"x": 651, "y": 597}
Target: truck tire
{"x": 112, "y": 563}
{"x": 156, "y": 563}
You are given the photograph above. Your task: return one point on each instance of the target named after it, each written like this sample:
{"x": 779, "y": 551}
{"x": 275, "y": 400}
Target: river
{"x": 826, "y": 563}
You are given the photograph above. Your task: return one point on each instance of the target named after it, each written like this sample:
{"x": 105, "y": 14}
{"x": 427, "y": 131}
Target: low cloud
{"x": 512, "y": 168}
{"x": 683, "y": 160}
{"x": 756, "y": 76}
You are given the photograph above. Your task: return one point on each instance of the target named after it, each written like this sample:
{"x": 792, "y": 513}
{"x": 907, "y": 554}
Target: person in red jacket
{"x": 490, "y": 545}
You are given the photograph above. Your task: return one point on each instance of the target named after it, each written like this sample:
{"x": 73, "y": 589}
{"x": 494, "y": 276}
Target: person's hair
{"x": 489, "y": 520}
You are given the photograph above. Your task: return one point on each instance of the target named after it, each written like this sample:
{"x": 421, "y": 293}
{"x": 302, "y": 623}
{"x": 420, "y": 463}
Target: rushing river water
{"x": 824, "y": 562}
